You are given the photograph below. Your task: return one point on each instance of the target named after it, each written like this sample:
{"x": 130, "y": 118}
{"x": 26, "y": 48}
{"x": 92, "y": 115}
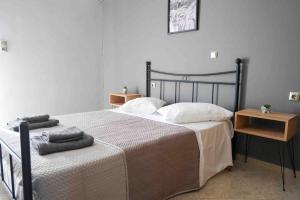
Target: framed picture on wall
{"x": 183, "y": 16}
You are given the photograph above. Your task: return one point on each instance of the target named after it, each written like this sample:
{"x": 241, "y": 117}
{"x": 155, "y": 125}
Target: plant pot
{"x": 125, "y": 90}
{"x": 265, "y": 109}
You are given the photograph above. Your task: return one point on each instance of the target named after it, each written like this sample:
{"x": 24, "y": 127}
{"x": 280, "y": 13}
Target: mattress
{"x": 104, "y": 163}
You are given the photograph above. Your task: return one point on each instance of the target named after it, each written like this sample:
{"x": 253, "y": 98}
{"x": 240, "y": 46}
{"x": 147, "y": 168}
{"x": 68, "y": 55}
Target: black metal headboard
{"x": 195, "y": 83}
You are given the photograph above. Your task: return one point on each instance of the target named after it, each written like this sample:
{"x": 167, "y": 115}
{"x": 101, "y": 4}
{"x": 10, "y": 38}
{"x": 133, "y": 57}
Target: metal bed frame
{"x": 195, "y": 86}
{"x": 195, "y": 83}
{"x": 25, "y": 158}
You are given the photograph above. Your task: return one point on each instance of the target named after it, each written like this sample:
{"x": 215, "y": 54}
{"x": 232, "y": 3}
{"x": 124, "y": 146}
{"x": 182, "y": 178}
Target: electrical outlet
{"x": 294, "y": 96}
{"x": 153, "y": 85}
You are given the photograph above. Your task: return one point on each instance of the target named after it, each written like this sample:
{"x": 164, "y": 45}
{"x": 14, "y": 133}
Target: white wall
{"x": 53, "y": 63}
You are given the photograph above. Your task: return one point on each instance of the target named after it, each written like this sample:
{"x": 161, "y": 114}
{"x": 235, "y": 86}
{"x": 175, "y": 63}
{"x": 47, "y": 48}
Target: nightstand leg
{"x": 282, "y": 162}
{"x": 291, "y": 149}
{"x": 246, "y": 148}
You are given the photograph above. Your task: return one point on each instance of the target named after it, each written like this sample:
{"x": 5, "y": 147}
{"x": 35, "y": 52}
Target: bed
{"x": 134, "y": 156}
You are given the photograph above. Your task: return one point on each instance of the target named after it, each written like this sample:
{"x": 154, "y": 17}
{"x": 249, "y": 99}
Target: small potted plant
{"x": 266, "y": 108}
{"x": 125, "y": 90}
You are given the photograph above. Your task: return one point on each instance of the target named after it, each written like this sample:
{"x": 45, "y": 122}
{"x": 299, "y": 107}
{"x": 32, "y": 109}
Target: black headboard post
{"x": 238, "y": 62}
{"x": 26, "y": 161}
{"x": 148, "y": 78}
{"x": 237, "y": 84}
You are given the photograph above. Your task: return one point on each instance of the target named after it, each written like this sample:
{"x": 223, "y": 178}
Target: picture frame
{"x": 183, "y": 16}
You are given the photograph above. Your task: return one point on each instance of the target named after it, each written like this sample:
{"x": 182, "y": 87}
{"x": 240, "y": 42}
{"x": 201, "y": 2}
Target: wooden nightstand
{"x": 280, "y": 127}
{"x": 118, "y": 99}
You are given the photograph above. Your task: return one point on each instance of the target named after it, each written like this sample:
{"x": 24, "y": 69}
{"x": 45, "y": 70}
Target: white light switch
{"x": 3, "y": 46}
{"x": 153, "y": 85}
{"x": 294, "y": 96}
{"x": 213, "y": 55}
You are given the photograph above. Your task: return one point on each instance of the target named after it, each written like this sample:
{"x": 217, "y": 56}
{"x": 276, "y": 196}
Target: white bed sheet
{"x": 214, "y": 140}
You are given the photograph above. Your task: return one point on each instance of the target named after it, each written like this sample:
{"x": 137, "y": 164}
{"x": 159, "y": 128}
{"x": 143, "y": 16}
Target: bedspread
{"x": 132, "y": 158}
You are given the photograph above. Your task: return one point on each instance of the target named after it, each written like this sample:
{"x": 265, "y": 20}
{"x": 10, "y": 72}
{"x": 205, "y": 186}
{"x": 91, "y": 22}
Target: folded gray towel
{"x": 65, "y": 135}
{"x": 35, "y": 119}
{"x": 45, "y": 148}
{"x": 14, "y": 125}
{"x": 46, "y": 124}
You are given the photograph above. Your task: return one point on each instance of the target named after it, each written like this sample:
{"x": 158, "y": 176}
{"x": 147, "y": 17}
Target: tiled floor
{"x": 255, "y": 180}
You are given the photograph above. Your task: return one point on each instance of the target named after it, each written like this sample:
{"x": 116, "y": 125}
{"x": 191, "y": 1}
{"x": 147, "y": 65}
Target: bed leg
{"x": 26, "y": 161}
{"x": 229, "y": 168}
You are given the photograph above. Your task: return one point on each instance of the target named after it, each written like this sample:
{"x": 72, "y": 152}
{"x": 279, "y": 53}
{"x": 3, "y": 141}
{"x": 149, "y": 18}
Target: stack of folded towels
{"x": 35, "y": 122}
{"x": 70, "y": 138}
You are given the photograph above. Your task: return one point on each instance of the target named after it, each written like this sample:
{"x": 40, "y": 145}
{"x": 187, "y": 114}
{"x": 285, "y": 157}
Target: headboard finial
{"x": 238, "y": 61}
{"x": 148, "y": 63}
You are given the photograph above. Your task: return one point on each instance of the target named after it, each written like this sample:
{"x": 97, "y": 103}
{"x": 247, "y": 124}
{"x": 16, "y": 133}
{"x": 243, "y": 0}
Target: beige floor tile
{"x": 255, "y": 180}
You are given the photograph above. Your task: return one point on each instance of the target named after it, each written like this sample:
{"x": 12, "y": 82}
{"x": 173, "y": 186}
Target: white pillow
{"x": 194, "y": 112}
{"x": 143, "y": 105}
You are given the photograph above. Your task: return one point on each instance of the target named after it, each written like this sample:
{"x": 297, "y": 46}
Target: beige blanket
{"x": 132, "y": 158}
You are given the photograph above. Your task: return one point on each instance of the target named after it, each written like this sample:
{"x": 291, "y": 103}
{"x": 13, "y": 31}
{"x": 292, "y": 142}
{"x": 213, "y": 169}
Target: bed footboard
{"x": 25, "y": 161}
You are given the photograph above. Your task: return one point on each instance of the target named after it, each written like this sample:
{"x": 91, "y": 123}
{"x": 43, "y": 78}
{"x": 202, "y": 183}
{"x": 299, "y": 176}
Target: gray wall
{"x": 53, "y": 63}
{"x": 266, "y": 32}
